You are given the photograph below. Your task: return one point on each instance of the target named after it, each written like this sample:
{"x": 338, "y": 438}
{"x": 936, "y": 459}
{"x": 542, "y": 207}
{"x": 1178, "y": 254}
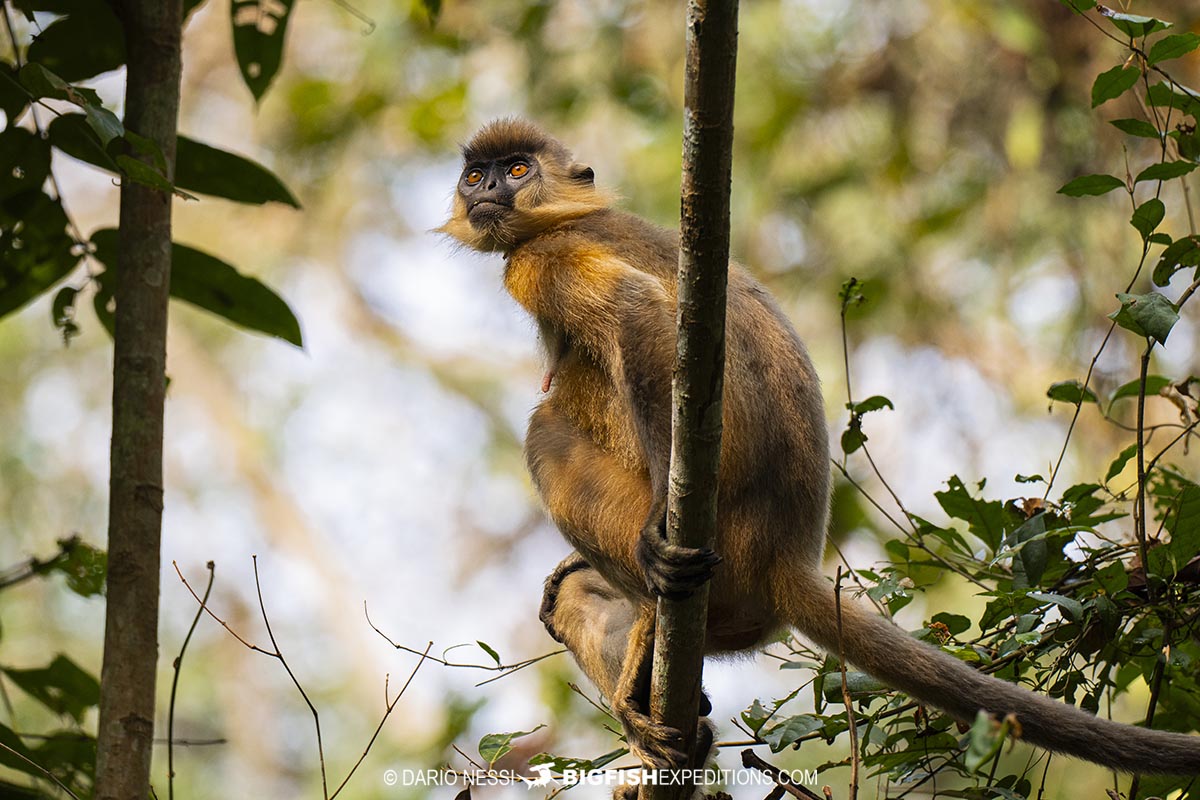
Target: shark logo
{"x": 543, "y": 776}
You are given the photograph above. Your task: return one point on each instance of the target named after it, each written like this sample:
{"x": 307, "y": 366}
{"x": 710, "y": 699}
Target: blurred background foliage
{"x": 916, "y": 145}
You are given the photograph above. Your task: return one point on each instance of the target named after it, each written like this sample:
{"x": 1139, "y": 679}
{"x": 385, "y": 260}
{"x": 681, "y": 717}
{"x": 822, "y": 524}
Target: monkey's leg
{"x": 612, "y": 640}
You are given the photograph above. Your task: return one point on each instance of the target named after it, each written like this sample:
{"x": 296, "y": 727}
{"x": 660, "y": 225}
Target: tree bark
{"x": 127, "y": 679}
{"x": 700, "y": 355}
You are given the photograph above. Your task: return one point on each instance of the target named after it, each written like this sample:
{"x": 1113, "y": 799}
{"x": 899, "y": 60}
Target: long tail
{"x": 881, "y": 649}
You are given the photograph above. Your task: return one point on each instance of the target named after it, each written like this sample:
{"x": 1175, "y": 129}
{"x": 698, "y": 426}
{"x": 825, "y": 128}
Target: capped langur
{"x": 601, "y": 285}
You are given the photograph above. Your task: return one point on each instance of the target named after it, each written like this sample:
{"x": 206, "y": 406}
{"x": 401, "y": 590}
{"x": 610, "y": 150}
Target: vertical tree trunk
{"x": 127, "y": 679}
{"x": 700, "y": 355}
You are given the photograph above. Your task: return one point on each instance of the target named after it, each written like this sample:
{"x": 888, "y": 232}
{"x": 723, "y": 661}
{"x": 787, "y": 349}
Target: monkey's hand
{"x": 571, "y": 563}
{"x": 671, "y": 571}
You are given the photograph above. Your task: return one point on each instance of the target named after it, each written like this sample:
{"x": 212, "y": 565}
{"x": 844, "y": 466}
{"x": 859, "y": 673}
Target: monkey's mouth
{"x": 487, "y": 212}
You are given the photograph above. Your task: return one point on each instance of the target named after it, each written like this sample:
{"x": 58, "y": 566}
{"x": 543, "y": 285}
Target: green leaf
{"x": 143, "y": 173}
{"x": 755, "y": 716}
{"x": 24, "y": 161}
{"x": 858, "y": 684}
{"x": 41, "y": 82}
{"x": 63, "y": 687}
{"x": 1114, "y": 83}
{"x": 13, "y": 96}
{"x": 1165, "y": 171}
{"x": 1079, "y": 5}
{"x": 955, "y": 623}
{"x": 71, "y": 134}
{"x": 1134, "y": 25}
{"x": 1136, "y": 127}
{"x": 1173, "y": 46}
{"x": 12, "y": 746}
{"x": 198, "y": 167}
{"x": 561, "y": 764}
{"x": 259, "y": 27}
{"x": 207, "y": 170}
{"x": 1150, "y": 315}
{"x": 787, "y": 732}
{"x": 1071, "y": 607}
{"x": 84, "y": 568}
{"x": 1189, "y": 145}
{"x": 1091, "y": 185}
{"x": 1071, "y": 391}
{"x": 210, "y": 283}
{"x": 62, "y": 313}
{"x": 1120, "y": 462}
{"x": 1154, "y": 385}
{"x": 37, "y": 257}
{"x": 487, "y": 649}
{"x": 985, "y": 518}
{"x": 853, "y": 437}
{"x": 873, "y": 403}
{"x": 81, "y": 45}
{"x": 1165, "y": 95}
{"x": 984, "y": 740}
{"x": 1183, "y": 523}
{"x": 1179, "y": 254}
{"x": 69, "y": 755}
{"x": 495, "y": 746}
{"x": 1148, "y": 216}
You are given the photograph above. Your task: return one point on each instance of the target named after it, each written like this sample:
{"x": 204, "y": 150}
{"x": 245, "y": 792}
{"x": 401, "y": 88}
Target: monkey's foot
{"x": 572, "y": 563}
{"x": 657, "y": 746}
{"x": 671, "y": 570}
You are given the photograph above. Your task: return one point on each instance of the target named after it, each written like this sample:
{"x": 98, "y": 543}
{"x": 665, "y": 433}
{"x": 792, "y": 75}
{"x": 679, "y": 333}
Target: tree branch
{"x": 700, "y": 356}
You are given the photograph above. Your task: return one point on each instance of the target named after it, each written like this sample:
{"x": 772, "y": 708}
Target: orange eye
{"x": 518, "y": 170}
{"x": 474, "y": 177}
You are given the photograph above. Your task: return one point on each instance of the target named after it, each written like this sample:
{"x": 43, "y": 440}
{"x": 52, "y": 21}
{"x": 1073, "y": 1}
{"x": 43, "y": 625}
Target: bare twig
{"x": 32, "y": 567}
{"x": 40, "y": 769}
{"x": 504, "y": 669}
{"x": 781, "y": 778}
{"x": 390, "y": 705}
{"x": 279, "y": 655}
{"x": 177, "y": 666}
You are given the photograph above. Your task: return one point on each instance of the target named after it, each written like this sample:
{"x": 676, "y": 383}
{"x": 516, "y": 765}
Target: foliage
{"x": 39, "y": 244}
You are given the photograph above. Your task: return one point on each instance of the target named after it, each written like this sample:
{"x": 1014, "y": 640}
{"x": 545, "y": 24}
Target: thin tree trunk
{"x": 700, "y": 355}
{"x": 127, "y": 678}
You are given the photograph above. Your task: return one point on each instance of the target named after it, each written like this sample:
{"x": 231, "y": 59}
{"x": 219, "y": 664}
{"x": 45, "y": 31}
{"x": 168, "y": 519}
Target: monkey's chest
{"x": 583, "y": 393}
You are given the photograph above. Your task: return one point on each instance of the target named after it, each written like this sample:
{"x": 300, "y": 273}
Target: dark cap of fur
{"x": 503, "y": 137}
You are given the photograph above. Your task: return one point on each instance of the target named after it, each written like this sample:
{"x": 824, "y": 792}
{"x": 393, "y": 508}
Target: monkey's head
{"x": 517, "y": 182}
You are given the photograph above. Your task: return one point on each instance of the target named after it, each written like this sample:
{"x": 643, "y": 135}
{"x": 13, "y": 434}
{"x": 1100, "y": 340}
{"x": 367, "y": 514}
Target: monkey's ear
{"x": 582, "y": 174}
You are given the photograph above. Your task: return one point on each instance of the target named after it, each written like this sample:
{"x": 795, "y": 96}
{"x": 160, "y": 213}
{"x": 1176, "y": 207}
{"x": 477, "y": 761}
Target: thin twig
{"x": 40, "y": 769}
{"x": 387, "y": 712}
{"x": 854, "y": 754}
{"x": 505, "y": 669}
{"x": 1140, "y": 503}
{"x": 751, "y": 761}
{"x": 279, "y": 654}
{"x": 220, "y": 621}
{"x": 177, "y": 666}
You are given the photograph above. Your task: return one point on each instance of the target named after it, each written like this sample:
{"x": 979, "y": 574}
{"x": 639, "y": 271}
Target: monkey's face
{"x": 517, "y": 182}
{"x": 489, "y": 189}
